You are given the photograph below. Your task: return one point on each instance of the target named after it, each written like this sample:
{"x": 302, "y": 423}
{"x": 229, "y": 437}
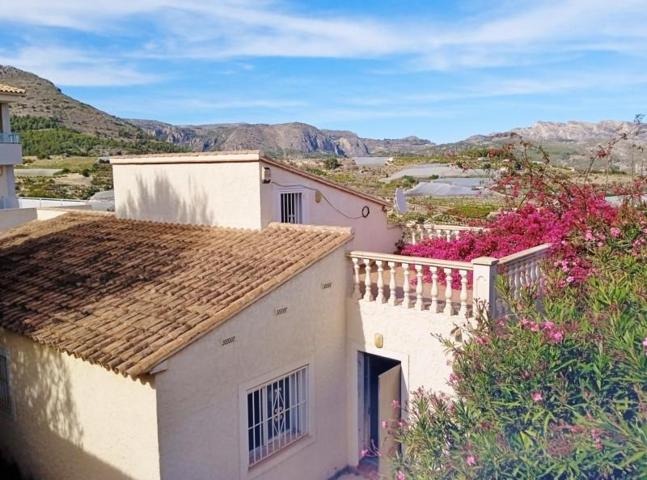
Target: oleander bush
{"x": 557, "y": 393}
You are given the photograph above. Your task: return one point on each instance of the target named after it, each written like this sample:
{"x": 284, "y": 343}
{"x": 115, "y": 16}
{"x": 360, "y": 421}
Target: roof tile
{"x": 127, "y": 294}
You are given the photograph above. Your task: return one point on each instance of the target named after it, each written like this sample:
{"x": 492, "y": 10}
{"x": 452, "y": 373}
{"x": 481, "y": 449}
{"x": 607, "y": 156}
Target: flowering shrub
{"x": 557, "y": 392}
{"x": 544, "y": 206}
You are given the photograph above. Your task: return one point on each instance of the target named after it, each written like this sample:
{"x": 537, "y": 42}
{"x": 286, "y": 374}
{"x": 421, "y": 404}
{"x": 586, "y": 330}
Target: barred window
{"x": 291, "y": 207}
{"x": 277, "y": 414}
{"x": 5, "y": 394}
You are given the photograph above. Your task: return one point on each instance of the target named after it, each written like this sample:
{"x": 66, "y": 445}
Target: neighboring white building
{"x": 244, "y": 189}
{"x": 257, "y": 348}
{"x": 10, "y": 148}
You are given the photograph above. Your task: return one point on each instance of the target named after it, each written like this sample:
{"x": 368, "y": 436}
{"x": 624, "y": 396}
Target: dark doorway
{"x": 379, "y": 385}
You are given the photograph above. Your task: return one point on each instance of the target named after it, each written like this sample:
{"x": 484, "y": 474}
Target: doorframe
{"x": 354, "y": 349}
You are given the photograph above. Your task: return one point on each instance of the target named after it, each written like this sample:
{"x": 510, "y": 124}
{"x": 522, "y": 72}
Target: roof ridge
{"x": 311, "y": 228}
{"x": 11, "y": 90}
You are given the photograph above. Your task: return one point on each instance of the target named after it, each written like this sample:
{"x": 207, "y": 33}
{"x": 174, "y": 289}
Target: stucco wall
{"x": 74, "y": 420}
{"x": 201, "y": 419}
{"x": 372, "y": 233}
{"x": 226, "y": 194}
{"x": 408, "y": 336}
{"x": 8, "y": 197}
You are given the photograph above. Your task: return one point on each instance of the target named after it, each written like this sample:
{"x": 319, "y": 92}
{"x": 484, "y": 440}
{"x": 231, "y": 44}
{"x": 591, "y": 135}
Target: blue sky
{"x": 437, "y": 69}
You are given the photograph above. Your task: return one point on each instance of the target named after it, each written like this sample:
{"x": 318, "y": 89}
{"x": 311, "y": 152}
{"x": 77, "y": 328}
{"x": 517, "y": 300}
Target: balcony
{"x": 446, "y": 288}
{"x": 9, "y": 137}
{"x": 10, "y": 149}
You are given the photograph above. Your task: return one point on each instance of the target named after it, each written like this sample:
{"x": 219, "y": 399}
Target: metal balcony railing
{"x": 9, "y": 138}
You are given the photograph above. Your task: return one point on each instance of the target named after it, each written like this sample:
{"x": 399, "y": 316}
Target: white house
{"x": 265, "y": 333}
{"x": 10, "y": 148}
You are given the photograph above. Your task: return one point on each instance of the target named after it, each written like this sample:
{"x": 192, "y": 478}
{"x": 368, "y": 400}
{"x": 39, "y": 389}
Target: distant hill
{"x": 286, "y": 138}
{"x": 569, "y": 143}
{"x": 45, "y": 100}
{"x": 53, "y": 123}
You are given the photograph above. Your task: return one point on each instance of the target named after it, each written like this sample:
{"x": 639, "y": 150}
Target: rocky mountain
{"x": 285, "y": 138}
{"x": 571, "y": 143}
{"x": 44, "y": 99}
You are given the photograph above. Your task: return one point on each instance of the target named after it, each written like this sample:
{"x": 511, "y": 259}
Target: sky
{"x": 441, "y": 70}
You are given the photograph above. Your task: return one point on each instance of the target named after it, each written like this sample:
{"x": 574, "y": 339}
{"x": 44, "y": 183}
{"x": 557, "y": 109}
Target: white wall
{"x": 408, "y": 336}
{"x": 372, "y": 233}
{"x": 8, "y": 197}
{"x": 200, "y": 415}
{"x": 225, "y": 194}
{"x": 74, "y": 420}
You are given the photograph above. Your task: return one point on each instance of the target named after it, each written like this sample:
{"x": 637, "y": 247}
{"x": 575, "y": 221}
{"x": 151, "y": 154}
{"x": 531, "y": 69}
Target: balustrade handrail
{"x": 440, "y": 226}
{"x": 424, "y": 261}
{"x": 524, "y": 254}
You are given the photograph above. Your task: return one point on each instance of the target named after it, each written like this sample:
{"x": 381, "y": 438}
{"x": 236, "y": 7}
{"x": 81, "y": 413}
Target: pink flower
{"x": 395, "y": 404}
{"x": 548, "y": 325}
{"x": 570, "y": 279}
{"x": 400, "y": 475}
{"x": 453, "y": 378}
{"x": 534, "y": 327}
{"x": 556, "y": 336}
{"x": 615, "y": 232}
{"x": 536, "y": 396}
{"x": 645, "y": 345}
{"x": 470, "y": 460}
{"x": 589, "y": 236}
{"x": 385, "y": 424}
{"x": 482, "y": 340}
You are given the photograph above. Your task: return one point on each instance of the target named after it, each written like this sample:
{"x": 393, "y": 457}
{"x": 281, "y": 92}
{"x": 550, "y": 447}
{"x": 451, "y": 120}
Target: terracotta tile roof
{"x": 11, "y": 90}
{"x": 127, "y": 294}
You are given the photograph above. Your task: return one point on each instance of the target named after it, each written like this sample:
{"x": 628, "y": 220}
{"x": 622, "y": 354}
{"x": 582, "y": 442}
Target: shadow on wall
{"x": 72, "y": 262}
{"x": 45, "y": 437}
{"x": 159, "y": 200}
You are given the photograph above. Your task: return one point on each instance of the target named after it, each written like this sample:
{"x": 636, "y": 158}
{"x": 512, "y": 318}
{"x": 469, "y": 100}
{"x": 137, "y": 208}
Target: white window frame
{"x": 12, "y": 410}
{"x": 305, "y": 201}
{"x": 255, "y": 469}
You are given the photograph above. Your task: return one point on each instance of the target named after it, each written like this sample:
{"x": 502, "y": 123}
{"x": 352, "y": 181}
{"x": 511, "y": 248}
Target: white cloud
{"x": 74, "y": 67}
{"x": 245, "y": 28}
{"x": 516, "y": 34}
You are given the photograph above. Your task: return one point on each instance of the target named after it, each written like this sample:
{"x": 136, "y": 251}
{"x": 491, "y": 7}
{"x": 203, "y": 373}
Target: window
{"x": 5, "y": 397}
{"x": 291, "y": 207}
{"x": 277, "y": 414}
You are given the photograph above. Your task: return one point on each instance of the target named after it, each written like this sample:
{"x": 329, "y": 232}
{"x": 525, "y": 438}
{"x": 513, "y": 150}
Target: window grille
{"x": 292, "y": 207}
{"x": 277, "y": 414}
{"x": 5, "y": 397}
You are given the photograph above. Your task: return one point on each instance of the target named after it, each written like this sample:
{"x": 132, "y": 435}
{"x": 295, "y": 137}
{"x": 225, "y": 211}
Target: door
{"x": 389, "y": 392}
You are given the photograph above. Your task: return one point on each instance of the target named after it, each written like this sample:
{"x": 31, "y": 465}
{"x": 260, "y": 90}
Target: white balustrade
{"x": 457, "y": 297}
{"x": 522, "y": 270}
{"x": 409, "y": 275}
{"x": 417, "y": 232}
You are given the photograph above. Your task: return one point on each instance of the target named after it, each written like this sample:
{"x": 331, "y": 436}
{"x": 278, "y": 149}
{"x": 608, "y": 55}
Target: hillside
{"x": 45, "y": 100}
{"x": 569, "y": 143}
{"x": 279, "y": 139}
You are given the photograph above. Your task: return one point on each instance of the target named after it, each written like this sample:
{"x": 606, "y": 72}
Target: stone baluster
{"x": 434, "y": 289}
{"x": 463, "y": 297}
{"x": 429, "y": 230}
{"x": 380, "y": 282}
{"x": 356, "y": 284}
{"x": 419, "y": 303}
{"x": 406, "y": 287}
{"x": 392, "y": 286}
{"x": 448, "y": 291}
{"x": 368, "y": 295}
